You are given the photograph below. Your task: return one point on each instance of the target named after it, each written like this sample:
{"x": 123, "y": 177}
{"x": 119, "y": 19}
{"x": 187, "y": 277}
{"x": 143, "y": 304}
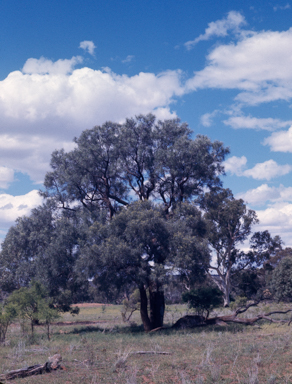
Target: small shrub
{"x": 240, "y": 301}
{"x": 7, "y": 315}
{"x": 33, "y": 304}
{"x": 203, "y": 300}
{"x": 130, "y": 305}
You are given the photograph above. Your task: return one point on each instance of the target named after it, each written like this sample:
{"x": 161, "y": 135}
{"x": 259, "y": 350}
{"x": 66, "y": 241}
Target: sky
{"x": 223, "y": 67}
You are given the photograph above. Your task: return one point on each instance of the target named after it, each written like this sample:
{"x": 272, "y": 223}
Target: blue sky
{"x": 224, "y": 67}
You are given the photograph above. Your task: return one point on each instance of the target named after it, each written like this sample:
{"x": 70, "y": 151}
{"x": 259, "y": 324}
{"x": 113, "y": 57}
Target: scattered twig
{"x": 150, "y": 353}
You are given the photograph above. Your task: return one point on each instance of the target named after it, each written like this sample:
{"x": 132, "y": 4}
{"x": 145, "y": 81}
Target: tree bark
{"x": 157, "y": 308}
{"x": 144, "y": 309}
{"x": 223, "y": 283}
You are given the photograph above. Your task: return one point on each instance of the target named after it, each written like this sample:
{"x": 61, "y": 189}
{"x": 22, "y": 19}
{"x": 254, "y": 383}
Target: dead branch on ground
{"x": 52, "y": 364}
{"x": 192, "y": 321}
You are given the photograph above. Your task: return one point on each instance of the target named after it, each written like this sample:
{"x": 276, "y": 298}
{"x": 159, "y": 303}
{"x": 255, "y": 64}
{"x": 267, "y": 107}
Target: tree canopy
{"x": 133, "y": 205}
{"x": 142, "y": 159}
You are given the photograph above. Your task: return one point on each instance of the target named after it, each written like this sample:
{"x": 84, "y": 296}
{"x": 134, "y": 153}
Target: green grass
{"x": 104, "y": 352}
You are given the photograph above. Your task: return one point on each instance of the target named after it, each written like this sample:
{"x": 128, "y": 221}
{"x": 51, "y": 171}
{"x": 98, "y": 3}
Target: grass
{"x": 105, "y": 352}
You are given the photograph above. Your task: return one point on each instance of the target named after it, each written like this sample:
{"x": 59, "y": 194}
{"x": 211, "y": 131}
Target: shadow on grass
{"x": 116, "y": 329}
{"x": 138, "y": 329}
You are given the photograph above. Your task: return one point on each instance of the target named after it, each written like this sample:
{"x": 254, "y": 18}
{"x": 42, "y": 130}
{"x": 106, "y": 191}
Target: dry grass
{"x": 105, "y": 352}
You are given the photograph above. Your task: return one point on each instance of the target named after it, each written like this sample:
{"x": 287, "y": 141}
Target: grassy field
{"x": 105, "y": 350}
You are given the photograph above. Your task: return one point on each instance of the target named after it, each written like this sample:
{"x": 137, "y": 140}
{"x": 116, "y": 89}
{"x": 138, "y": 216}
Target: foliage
{"x": 142, "y": 245}
{"x": 33, "y": 304}
{"x": 240, "y": 301}
{"x": 141, "y": 159}
{"x": 230, "y": 223}
{"x": 203, "y": 299}
{"x": 130, "y": 305}
{"x": 281, "y": 283}
{"x": 111, "y": 167}
{"x": 44, "y": 247}
{"x": 248, "y": 283}
{"x": 7, "y": 314}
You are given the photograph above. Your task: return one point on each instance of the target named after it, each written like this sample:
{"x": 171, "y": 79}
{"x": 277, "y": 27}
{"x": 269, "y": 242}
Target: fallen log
{"x": 52, "y": 364}
{"x": 192, "y": 321}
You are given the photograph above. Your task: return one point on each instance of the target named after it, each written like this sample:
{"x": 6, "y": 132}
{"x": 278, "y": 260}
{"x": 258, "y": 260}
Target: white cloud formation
{"x": 267, "y": 170}
{"x": 277, "y": 219}
{"x": 88, "y": 46}
{"x": 207, "y": 118}
{"x": 261, "y": 171}
{"x": 232, "y": 22}
{"x": 6, "y": 177}
{"x": 250, "y": 122}
{"x": 235, "y": 164}
{"x": 12, "y": 207}
{"x": 46, "y": 105}
{"x": 262, "y": 194}
{"x": 277, "y": 216}
{"x": 280, "y": 141}
{"x": 45, "y": 66}
{"x": 259, "y": 65}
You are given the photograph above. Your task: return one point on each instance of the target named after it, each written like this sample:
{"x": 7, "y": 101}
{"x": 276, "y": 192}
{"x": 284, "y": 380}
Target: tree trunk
{"x": 226, "y": 297}
{"x": 223, "y": 283}
{"x": 157, "y": 308}
{"x": 144, "y": 310}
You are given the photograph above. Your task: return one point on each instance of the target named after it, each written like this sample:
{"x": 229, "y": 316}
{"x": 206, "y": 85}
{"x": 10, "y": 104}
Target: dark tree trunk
{"x": 144, "y": 310}
{"x": 157, "y": 308}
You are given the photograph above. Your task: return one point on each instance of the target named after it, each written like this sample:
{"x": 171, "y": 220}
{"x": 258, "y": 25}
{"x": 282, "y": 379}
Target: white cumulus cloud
{"x": 207, "y": 118}
{"x": 232, "y": 22}
{"x": 43, "y": 65}
{"x": 261, "y": 171}
{"x": 277, "y": 219}
{"x": 43, "y": 107}
{"x": 264, "y": 193}
{"x": 267, "y": 170}
{"x": 280, "y": 141}
{"x": 88, "y": 46}
{"x": 12, "y": 207}
{"x": 259, "y": 65}
{"x": 6, "y": 177}
{"x": 249, "y": 122}
{"x": 235, "y": 164}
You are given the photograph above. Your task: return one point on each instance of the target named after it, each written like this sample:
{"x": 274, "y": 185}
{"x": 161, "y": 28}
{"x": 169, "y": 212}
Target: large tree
{"x": 229, "y": 225}
{"x": 143, "y": 245}
{"x": 143, "y": 159}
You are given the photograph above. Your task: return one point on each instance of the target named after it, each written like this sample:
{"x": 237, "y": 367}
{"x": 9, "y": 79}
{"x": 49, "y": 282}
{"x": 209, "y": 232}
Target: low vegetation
{"x": 97, "y": 347}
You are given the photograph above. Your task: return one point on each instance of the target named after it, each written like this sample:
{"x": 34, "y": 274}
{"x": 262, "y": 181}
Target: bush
{"x": 203, "y": 300}
{"x": 130, "y": 305}
{"x": 281, "y": 283}
{"x": 33, "y": 304}
{"x": 7, "y": 315}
